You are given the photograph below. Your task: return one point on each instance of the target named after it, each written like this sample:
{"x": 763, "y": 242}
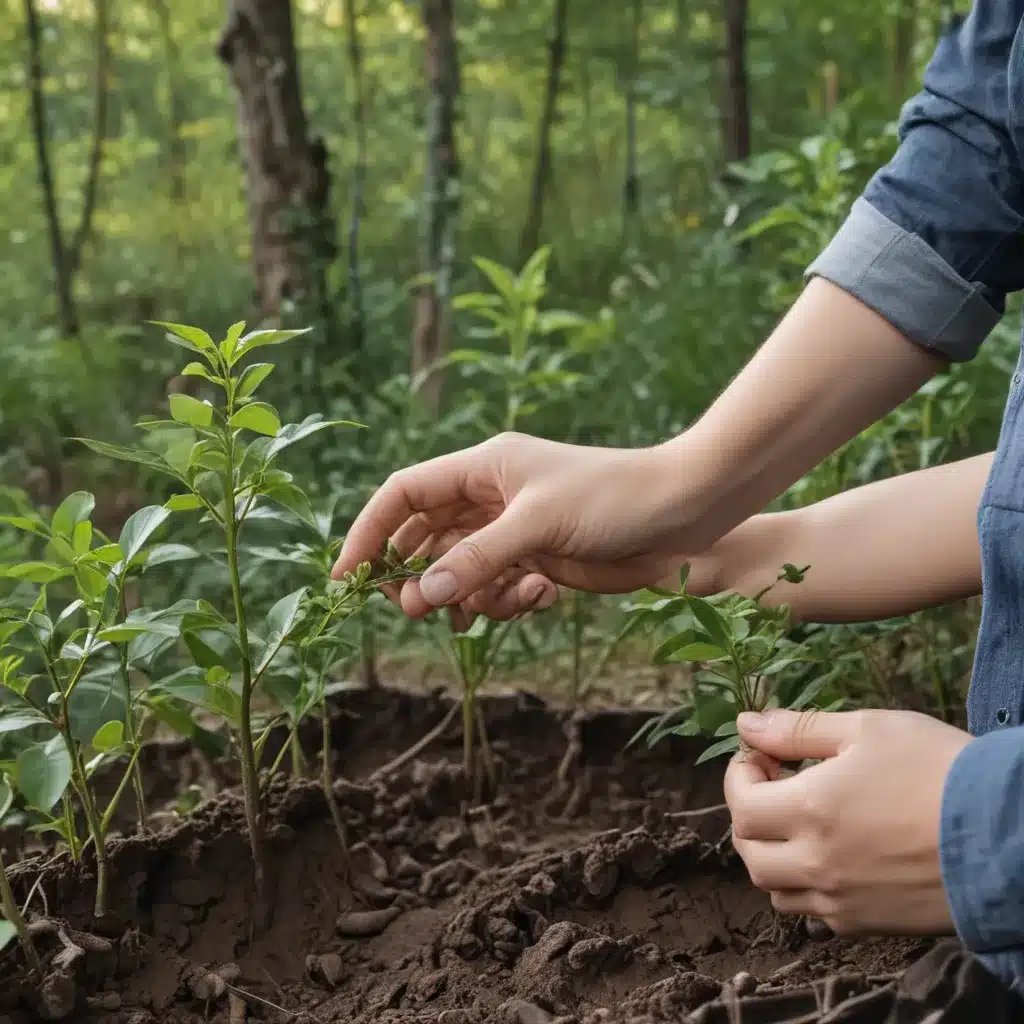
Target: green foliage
{"x": 748, "y": 662}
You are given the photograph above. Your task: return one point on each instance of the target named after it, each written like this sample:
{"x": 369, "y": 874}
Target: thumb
{"x": 479, "y": 559}
{"x": 795, "y": 735}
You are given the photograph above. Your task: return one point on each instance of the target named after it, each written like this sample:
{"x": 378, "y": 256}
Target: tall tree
{"x": 440, "y": 196}
{"x": 903, "y": 48}
{"x": 357, "y": 322}
{"x": 174, "y": 143}
{"x": 557, "y": 45}
{"x": 736, "y": 94}
{"x": 287, "y": 177}
{"x": 631, "y": 189}
{"x": 66, "y": 253}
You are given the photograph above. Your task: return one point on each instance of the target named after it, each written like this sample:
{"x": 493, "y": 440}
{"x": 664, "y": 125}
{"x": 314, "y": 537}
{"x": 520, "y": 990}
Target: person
{"x": 905, "y": 824}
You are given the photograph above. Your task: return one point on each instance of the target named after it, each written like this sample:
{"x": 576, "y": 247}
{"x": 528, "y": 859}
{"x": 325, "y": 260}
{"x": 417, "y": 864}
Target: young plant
{"x": 12, "y": 924}
{"x": 64, "y": 678}
{"x": 473, "y": 654}
{"x": 750, "y": 661}
{"x": 529, "y": 372}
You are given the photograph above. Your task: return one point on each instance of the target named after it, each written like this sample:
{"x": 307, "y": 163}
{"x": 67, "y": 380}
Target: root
{"x": 418, "y": 747}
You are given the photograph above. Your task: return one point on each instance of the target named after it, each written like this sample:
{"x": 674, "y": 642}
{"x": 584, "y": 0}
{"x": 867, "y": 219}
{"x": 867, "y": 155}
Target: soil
{"x": 579, "y": 894}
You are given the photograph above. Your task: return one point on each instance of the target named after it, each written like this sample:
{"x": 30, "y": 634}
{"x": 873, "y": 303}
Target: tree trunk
{"x": 440, "y": 196}
{"x": 287, "y": 178}
{"x": 903, "y": 48}
{"x": 357, "y": 319}
{"x": 631, "y": 189}
{"x": 542, "y": 164}
{"x": 66, "y": 257}
{"x": 175, "y": 144}
{"x": 736, "y": 101}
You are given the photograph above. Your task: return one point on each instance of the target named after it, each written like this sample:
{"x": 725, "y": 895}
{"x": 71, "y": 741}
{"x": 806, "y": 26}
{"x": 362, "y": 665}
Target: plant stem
{"x": 92, "y": 817}
{"x": 577, "y": 645}
{"x": 327, "y": 781}
{"x": 130, "y": 731}
{"x": 486, "y": 755}
{"x": 247, "y": 753}
{"x": 69, "y": 817}
{"x": 468, "y": 723}
{"x": 13, "y": 914}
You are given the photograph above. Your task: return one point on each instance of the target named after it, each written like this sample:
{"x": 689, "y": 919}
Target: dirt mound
{"x": 513, "y": 913}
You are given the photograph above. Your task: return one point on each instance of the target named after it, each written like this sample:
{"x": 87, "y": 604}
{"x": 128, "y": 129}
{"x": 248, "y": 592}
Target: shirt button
{"x": 1002, "y": 716}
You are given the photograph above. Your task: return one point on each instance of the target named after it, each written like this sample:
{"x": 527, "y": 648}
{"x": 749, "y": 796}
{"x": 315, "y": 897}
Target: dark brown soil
{"x": 577, "y": 895}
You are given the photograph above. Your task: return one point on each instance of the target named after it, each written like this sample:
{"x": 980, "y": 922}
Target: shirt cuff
{"x": 981, "y": 847}
{"x": 900, "y": 277}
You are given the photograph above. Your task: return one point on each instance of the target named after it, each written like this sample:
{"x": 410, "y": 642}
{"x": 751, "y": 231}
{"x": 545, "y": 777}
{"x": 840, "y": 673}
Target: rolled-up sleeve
{"x": 935, "y": 245}
{"x": 981, "y": 845}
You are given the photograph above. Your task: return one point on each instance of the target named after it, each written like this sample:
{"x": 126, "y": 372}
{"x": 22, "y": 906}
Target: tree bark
{"x": 440, "y": 196}
{"x": 287, "y": 177}
{"x": 357, "y": 319}
{"x": 542, "y": 164}
{"x": 175, "y": 144}
{"x": 631, "y": 189}
{"x": 736, "y": 101}
{"x": 65, "y": 256}
{"x": 903, "y": 48}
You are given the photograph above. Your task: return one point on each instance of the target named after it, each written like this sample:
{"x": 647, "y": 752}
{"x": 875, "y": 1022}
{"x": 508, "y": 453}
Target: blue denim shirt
{"x": 935, "y": 245}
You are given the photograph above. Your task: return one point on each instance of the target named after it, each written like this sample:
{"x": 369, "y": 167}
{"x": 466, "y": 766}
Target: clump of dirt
{"x": 577, "y": 896}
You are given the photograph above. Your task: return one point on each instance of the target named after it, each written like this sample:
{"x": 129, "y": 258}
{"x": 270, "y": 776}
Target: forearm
{"x": 885, "y": 549}
{"x": 831, "y": 368}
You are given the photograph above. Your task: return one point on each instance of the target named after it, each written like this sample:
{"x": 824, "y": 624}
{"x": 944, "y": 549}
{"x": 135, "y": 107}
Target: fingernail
{"x": 545, "y": 600}
{"x": 751, "y": 721}
{"x": 438, "y": 588}
{"x": 534, "y": 594}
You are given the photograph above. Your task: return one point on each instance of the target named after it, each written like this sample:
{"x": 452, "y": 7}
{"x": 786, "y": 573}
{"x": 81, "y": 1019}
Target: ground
{"x": 582, "y": 893}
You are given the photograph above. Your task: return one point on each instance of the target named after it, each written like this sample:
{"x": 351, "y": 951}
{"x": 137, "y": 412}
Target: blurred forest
{"x": 354, "y": 165}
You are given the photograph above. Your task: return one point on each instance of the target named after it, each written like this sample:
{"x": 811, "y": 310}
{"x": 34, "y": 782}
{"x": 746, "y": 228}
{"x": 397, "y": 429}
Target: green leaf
{"x": 74, "y": 509}
{"x": 198, "y": 370}
{"x": 190, "y": 411}
{"x": 726, "y": 746}
{"x": 162, "y": 554}
{"x": 282, "y": 617}
{"x": 500, "y": 277}
{"x": 188, "y": 337}
{"x": 553, "y": 320}
{"x": 258, "y": 417}
{"x": 252, "y": 377}
{"x": 81, "y": 538}
{"x": 729, "y": 728}
{"x": 8, "y": 933}
{"x": 139, "y": 527}
{"x": 6, "y": 797}
{"x": 108, "y": 736}
{"x": 91, "y": 582}
{"x": 35, "y": 572}
{"x": 44, "y": 771}
{"x": 183, "y": 503}
{"x": 712, "y": 621}
{"x": 698, "y": 652}
{"x": 292, "y": 432}
{"x": 290, "y": 497}
{"x": 257, "y": 339}
{"x": 227, "y": 346}
{"x": 137, "y": 455}
{"x": 36, "y": 526}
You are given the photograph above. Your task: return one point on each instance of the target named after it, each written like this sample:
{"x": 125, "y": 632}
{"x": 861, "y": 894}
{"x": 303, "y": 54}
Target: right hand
{"x": 510, "y": 519}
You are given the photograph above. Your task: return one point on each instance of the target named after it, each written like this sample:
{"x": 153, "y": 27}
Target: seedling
{"x": 65, "y": 677}
{"x": 227, "y": 472}
{"x": 473, "y": 655}
{"x": 749, "y": 661}
{"x": 530, "y": 373}
{"x": 12, "y": 924}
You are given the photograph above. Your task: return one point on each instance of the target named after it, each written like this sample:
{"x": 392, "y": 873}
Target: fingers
{"x": 775, "y": 866}
{"x": 764, "y": 806}
{"x": 478, "y": 560}
{"x": 428, "y": 486}
{"x": 795, "y": 735}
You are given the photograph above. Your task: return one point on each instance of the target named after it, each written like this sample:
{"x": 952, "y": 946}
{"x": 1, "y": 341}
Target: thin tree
{"x": 65, "y": 253}
{"x": 736, "y": 98}
{"x": 357, "y": 319}
{"x": 631, "y": 188}
{"x": 440, "y": 197}
{"x": 557, "y": 45}
{"x": 174, "y": 142}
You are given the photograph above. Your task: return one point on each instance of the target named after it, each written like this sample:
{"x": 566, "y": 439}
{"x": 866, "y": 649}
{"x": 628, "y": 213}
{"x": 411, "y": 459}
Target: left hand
{"x": 854, "y": 839}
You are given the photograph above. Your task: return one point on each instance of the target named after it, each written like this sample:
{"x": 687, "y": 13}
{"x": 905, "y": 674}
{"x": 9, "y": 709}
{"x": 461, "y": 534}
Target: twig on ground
{"x": 418, "y": 747}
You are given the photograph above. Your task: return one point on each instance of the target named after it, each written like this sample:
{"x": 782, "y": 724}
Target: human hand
{"x": 509, "y": 519}
{"x": 854, "y": 839}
